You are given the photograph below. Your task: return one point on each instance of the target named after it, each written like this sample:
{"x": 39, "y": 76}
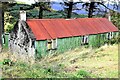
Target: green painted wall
{"x": 97, "y": 40}
{"x": 65, "y": 44}
{"x": 41, "y": 48}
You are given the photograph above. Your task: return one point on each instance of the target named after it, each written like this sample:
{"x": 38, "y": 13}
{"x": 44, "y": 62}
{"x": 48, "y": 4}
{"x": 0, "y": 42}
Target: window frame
{"x": 49, "y": 44}
{"x": 52, "y": 43}
{"x": 3, "y": 39}
{"x": 109, "y": 35}
{"x": 85, "y": 39}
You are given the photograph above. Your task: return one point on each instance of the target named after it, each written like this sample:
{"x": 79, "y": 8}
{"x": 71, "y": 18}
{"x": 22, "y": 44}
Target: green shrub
{"x": 49, "y": 70}
{"x": 114, "y": 40}
{"x": 7, "y": 62}
{"x": 21, "y": 64}
{"x": 83, "y": 74}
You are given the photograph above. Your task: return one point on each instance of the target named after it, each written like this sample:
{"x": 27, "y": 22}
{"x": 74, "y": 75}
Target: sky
{"x": 27, "y": 1}
{"x": 32, "y": 1}
{"x": 59, "y": 7}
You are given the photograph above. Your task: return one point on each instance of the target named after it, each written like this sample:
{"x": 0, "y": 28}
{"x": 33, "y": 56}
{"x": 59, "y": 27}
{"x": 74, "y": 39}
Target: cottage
{"x": 38, "y": 37}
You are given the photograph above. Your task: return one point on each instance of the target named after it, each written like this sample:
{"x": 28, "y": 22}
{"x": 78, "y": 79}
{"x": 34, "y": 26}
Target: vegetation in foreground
{"x": 77, "y": 63}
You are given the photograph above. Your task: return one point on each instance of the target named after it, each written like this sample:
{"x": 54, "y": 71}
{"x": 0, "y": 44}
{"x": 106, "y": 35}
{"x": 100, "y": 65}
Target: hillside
{"x": 78, "y": 63}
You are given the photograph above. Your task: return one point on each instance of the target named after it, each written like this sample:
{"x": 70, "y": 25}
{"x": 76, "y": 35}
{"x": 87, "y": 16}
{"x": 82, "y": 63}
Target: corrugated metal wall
{"x": 97, "y": 40}
{"x": 65, "y": 44}
{"x": 41, "y": 48}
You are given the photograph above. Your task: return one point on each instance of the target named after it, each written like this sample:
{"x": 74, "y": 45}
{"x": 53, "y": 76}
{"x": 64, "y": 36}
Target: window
{"x": 3, "y": 39}
{"x": 49, "y": 44}
{"x": 84, "y": 39}
{"x": 109, "y": 35}
{"x": 52, "y": 44}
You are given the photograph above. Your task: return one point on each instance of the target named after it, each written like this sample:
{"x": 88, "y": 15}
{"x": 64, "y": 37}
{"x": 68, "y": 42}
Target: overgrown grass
{"x": 78, "y": 63}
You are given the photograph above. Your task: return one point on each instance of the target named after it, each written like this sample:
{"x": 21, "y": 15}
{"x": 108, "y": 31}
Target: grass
{"x": 78, "y": 63}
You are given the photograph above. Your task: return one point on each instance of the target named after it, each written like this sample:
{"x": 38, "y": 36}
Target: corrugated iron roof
{"x": 38, "y": 30}
{"x": 60, "y": 31}
{"x": 59, "y": 28}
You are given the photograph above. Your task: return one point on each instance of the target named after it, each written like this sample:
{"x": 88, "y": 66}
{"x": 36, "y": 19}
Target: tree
{"x": 1, "y": 28}
{"x": 93, "y": 7}
{"x": 69, "y": 6}
{"x": 42, "y": 7}
{"x": 12, "y": 15}
{"x": 69, "y": 9}
{"x": 3, "y": 6}
{"x": 115, "y": 18}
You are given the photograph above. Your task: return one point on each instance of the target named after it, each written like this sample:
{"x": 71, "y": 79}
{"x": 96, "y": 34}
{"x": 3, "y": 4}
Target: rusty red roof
{"x": 59, "y": 28}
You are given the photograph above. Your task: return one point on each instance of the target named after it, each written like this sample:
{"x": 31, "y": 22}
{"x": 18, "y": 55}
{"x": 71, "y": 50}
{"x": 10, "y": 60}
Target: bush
{"x": 48, "y": 71}
{"x": 114, "y": 40}
{"x": 83, "y": 74}
{"x": 7, "y": 62}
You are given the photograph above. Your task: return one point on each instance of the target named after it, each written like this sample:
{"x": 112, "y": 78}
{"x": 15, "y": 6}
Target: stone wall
{"x": 20, "y": 42}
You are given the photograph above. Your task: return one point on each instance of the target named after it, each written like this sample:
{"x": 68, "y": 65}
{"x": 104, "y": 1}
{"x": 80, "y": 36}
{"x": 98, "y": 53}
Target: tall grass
{"x": 78, "y": 63}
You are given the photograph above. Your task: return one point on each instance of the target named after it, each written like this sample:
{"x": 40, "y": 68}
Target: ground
{"x": 78, "y": 63}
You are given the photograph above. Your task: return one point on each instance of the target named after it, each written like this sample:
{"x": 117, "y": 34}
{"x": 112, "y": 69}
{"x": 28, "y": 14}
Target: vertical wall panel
{"x": 41, "y": 48}
{"x": 65, "y": 44}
